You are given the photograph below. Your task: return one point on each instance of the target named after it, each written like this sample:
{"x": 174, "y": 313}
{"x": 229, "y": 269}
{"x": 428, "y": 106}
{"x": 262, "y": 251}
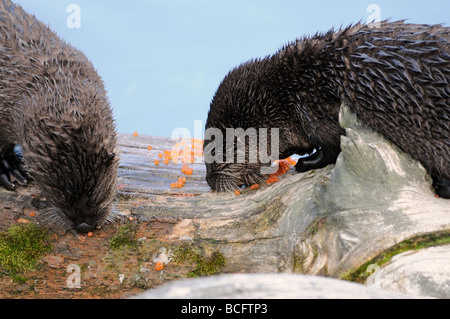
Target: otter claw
{"x": 22, "y": 181}
{"x": 321, "y": 158}
{"x": 4, "y": 181}
{"x": 310, "y": 162}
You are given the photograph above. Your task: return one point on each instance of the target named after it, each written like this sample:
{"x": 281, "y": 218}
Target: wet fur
{"x": 54, "y": 105}
{"x": 396, "y": 78}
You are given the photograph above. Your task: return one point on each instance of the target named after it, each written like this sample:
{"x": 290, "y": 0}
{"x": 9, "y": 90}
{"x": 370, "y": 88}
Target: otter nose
{"x": 84, "y": 228}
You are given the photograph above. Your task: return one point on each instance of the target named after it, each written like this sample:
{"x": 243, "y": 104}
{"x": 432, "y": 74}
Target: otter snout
{"x": 84, "y": 228}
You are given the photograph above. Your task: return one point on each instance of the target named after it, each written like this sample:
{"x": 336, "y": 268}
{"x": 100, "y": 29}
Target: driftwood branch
{"x": 326, "y": 222}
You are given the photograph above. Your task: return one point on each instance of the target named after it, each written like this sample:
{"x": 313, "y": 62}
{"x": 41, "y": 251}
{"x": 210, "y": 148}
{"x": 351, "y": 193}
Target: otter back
{"x": 395, "y": 78}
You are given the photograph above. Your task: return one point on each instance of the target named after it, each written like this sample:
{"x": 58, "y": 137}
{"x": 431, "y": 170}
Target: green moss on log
{"x": 22, "y": 246}
{"x": 203, "y": 266}
{"x": 361, "y": 274}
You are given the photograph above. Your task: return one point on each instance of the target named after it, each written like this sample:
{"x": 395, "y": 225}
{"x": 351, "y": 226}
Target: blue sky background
{"x": 162, "y": 61}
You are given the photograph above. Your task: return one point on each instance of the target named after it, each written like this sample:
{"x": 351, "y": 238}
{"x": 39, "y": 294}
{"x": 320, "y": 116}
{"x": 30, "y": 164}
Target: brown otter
{"x": 54, "y": 105}
{"x": 396, "y": 78}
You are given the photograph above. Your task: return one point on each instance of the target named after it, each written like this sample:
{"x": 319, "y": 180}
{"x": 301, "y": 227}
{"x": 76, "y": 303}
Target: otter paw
{"x": 309, "y": 162}
{"x": 11, "y": 170}
{"x": 442, "y": 189}
{"x": 319, "y": 159}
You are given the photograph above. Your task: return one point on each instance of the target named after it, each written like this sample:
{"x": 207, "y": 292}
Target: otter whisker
{"x": 113, "y": 217}
{"x": 226, "y": 185}
{"x": 52, "y": 218}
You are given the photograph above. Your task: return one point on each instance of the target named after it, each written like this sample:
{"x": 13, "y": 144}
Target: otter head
{"x": 243, "y": 129}
{"x": 252, "y": 114}
{"x": 70, "y": 145}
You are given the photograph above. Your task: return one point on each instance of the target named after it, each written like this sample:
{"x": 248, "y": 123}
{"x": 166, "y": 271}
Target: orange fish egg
{"x": 272, "y": 179}
{"x": 159, "y": 266}
{"x": 187, "y": 170}
{"x": 254, "y": 186}
{"x": 166, "y": 161}
{"x": 156, "y": 162}
{"x": 237, "y": 193}
{"x": 90, "y": 234}
{"x": 283, "y": 167}
{"x": 135, "y": 134}
{"x": 161, "y": 155}
{"x": 149, "y": 147}
{"x": 32, "y": 214}
{"x": 176, "y": 185}
{"x": 291, "y": 161}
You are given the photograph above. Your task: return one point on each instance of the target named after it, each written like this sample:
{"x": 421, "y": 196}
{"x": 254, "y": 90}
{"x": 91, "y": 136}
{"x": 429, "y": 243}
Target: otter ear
{"x": 109, "y": 159}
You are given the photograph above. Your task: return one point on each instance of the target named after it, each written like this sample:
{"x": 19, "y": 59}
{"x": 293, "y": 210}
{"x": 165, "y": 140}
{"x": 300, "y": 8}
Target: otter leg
{"x": 321, "y": 158}
{"x": 11, "y": 168}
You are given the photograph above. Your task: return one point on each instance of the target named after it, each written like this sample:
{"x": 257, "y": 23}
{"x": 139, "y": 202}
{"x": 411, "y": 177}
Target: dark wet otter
{"x": 396, "y": 78}
{"x": 54, "y": 105}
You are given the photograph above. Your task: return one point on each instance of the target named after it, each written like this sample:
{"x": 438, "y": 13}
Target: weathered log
{"x": 425, "y": 272}
{"x": 263, "y": 286}
{"x": 324, "y": 222}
